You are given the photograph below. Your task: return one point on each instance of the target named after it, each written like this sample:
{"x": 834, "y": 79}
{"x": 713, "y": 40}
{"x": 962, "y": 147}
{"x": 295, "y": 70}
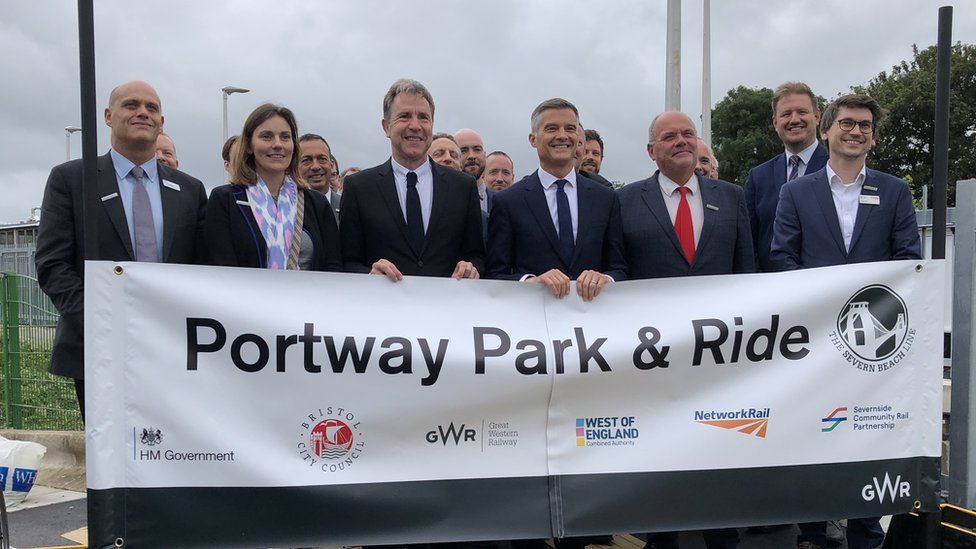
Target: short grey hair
{"x": 550, "y": 104}
{"x": 650, "y": 129}
{"x": 405, "y": 85}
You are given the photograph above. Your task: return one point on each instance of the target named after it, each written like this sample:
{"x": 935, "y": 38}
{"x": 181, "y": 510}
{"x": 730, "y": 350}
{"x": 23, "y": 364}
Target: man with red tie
{"x": 677, "y": 223}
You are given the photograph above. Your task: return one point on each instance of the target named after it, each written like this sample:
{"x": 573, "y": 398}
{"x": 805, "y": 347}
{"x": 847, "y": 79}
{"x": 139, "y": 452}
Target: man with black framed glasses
{"x": 845, "y": 213}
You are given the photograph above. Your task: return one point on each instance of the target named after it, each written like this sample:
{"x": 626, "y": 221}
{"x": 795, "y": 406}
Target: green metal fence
{"x": 32, "y": 398}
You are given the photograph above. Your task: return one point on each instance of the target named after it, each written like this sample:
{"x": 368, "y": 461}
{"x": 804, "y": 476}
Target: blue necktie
{"x": 415, "y": 217}
{"x": 142, "y": 220}
{"x": 795, "y": 171}
{"x": 566, "y": 240}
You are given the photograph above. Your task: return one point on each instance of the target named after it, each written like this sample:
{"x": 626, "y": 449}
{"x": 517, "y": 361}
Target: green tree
{"x": 907, "y": 135}
{"x": 742, "y": 132}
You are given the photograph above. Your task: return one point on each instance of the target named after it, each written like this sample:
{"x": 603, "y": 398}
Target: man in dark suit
{"x": 591, "y": 158}
{"x": 658, "y": 240}
{"x": 845, "y": 213}
{"x": 316, "y": 165}
{"x": 149, "y": 212}
{"x": 409, "y": 215}
{"x": 677, "y": 223}
{"x": 795, "y": 117}
{"x": 553, "y": 227}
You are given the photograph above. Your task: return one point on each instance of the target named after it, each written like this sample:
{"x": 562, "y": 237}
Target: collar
{"x": 837, "y": 181}
{"x": 548, "y": 180}
{"x": 422, "y": 171}
{"x": 669, "y": 187}
{"x": 805, "y": 155}
{"x": 123, "y": 166}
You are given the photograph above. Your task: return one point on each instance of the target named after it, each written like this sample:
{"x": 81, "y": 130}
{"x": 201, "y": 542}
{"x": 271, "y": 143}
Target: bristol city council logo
{"x": 873, "y": 330}
{"x": 331, "y": 438}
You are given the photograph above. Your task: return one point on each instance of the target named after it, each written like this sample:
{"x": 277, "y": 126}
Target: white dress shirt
{"x": 483, "y": 195}
{"x": 846, "y": 199}
{"x": 425, "y": 188}
{"x": 549, "y": 187}
{"x": 805, "y": 156}
{"x": 151, "y": 181}
{"x": 672, "y": 198}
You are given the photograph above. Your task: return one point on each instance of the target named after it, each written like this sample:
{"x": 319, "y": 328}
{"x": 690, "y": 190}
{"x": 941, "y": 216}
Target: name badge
{"x": 871, "y": 199}
{"x": 171, "y": 185}
{"x": 110, "y": 196}
{"x": 243, "y": 203}
{"x": 711, "y": 207}
{"x": 870, "y": 188}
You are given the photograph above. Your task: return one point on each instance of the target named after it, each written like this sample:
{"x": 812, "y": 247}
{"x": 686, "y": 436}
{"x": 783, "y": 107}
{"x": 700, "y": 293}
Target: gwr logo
{"x": 451, "y": 433}
{"x": 878, "y": 490}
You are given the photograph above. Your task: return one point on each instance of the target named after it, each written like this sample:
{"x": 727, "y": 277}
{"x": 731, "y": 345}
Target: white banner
{"x": 219, "y": 377}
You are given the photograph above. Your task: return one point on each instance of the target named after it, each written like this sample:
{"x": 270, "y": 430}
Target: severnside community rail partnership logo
{"x": 750, "y": 421}
{"x": 331, "y": 439}
{"x": 873, "y": 331}
{"x": 606, "y": 431}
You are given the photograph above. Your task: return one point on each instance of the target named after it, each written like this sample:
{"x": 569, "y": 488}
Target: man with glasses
{"x": 845, "y": 213}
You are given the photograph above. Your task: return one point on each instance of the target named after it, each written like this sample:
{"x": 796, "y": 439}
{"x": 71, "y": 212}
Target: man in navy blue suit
{"x": 677, "y": 223}
{"x": 553, "y": 227}
{"x": 845, "y": 213}
{"x": 795, "y": 117}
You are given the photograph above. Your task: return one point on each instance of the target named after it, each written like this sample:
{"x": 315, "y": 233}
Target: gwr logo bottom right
{"x": 879, "y": 490}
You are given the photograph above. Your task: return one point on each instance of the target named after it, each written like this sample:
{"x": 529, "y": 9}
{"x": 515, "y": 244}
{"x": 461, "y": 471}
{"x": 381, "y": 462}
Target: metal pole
{"x": 940, "y": 162}
{"x": 225, "y": 118}
{"x": 89, "y": 134}
{"x": 961, "y": 481}
{"x": 67, "y": 146}
{"x": 707, "y": 73}
{"x": 672, "y": 79}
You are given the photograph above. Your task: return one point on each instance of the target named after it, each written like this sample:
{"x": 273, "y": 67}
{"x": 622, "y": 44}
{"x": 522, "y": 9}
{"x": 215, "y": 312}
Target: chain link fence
{"x": 32, "y": 398}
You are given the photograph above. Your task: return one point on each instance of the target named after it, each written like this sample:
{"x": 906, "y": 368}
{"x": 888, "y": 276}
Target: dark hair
{"x": 852, "y": 101}
{"x": 550, "y": 104}
{"x": 592, "y": 135}
{"x": 225, "y": 151}
{"x": 312, "y": 137}
{"x": 243, "y": 166}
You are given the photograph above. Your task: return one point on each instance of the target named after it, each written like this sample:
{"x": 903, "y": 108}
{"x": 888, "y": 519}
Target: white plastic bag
{"x": 19, "y": 461}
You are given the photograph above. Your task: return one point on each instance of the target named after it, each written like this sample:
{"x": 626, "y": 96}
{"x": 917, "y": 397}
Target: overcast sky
{"x": 487, "y": 64}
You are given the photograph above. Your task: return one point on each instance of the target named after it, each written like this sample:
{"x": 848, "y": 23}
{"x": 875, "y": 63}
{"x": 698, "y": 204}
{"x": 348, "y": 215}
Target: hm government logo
{"x": 834, "y": 419}
{"x": 873, "y": 331}
{"x": 331, "y": 439}
{"x": 750, "y": 421}
{"x": 151, "y": 436}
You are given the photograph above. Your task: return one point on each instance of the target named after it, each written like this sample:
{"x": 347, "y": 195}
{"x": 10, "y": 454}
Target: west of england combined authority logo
{"x": 873, "y": 331}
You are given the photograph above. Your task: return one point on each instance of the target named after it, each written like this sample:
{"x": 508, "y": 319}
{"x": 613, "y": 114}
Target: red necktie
{"x": 684, "y": 227}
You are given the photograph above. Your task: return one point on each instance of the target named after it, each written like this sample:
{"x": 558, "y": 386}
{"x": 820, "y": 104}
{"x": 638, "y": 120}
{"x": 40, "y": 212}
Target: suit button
{"x": 420, "y": 263}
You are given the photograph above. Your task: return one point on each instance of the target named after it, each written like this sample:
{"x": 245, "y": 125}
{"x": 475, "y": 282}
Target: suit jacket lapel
{"x": 170, "y": 199}
{"x": 108, "y": 184}
{"x": 535, "y": 197}
{"x": 864, "y": 210}
{"x": 655, "y": 202}
{"x": 709, "y": 191}
{"x": 584, "y": 213}
{"x": 821, "y": 189}
{"x": 387, "y": 189}
{"x": 439, "y": 201}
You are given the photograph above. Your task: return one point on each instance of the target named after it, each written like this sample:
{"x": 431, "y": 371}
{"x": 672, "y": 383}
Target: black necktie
{"x": 795, "y": 170}
{"x": 566, "y": 240}
{"x": 415, "y": 216}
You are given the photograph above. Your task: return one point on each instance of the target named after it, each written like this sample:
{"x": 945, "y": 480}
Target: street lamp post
{"x": 228, "y": 90}
{"x": 67, "y": 141}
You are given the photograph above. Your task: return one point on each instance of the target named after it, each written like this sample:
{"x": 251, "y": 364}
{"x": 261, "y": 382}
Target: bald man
{"x": 147, "y": 212}
{"x": 473, "y": 163}
{"x": 166, "y": 151}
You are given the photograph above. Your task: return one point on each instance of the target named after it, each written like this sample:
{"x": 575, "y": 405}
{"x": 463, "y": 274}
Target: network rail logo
{"x": 749, "y": 421}
{"x": 873, "y": 332}
{"x": 606, "y": 431}
{"x": 834, "y": 419}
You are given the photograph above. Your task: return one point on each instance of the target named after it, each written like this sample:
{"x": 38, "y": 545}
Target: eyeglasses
{"x": 847, "y": 125}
